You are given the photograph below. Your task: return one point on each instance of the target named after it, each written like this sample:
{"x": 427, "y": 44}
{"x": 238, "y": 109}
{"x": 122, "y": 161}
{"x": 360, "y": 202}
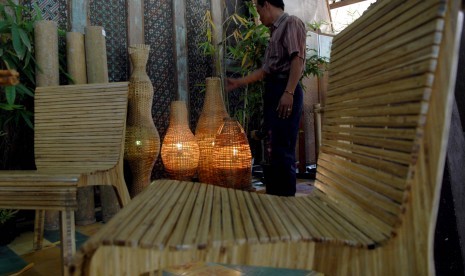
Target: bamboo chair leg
{"x": 39, "y": 222}
{"x": 68, "y": 238}
{"x": 122, "y": 194}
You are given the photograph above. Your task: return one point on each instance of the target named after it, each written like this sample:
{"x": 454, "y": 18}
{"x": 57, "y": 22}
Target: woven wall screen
{"x": 161, "y": 66}
{"x": 55, "y": 10}
{"x": 199, "y": 65}
{"x": 112, "y": 16}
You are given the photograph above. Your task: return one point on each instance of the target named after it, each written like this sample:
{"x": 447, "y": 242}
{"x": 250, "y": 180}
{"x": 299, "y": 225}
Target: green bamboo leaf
{"x": 25, "y": 39}
{"x": 10, "y": 94}
{"x": 17, "y": 45}
{"x": 6, "y": 107}
{"x": 38, "y": 12}
{"x": 27, "y": 59}
{"x": 241, "y": 19}
{"x": 249, "y": 34}
{"x": 27, "y": 117}
{"x": 22, "y": 89}
{"x": 4, "y": 27}
{"x": 8, "y": 18}
{"x": 19, "y": 14}
{"x": 29, "y": 74}
{"x": 244, "y": 59}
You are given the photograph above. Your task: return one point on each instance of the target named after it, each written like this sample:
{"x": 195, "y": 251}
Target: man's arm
{"x": 255, "y": 76}
{"x": 285, "y": 103}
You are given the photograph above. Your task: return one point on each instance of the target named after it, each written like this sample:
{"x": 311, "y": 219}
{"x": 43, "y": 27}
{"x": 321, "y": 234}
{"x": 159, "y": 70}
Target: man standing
{"x": 282, "y": 68}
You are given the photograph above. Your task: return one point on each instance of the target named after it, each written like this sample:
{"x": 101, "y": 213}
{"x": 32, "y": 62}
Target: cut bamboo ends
{"x": 180, "y": 150}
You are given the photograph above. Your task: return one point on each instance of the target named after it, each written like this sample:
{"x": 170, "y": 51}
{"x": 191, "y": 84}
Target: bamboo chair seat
{"x": 378, "y": 179}
{"x": 78, "y": 141}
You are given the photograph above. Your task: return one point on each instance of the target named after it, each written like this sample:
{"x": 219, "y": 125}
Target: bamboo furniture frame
{"x": 78, "y": 141}
{"x": 379, "y": 172}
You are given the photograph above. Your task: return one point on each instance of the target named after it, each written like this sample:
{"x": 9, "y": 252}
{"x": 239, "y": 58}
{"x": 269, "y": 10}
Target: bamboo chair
{"x": 378, "y": 179}
{"x": 78, "y": 141}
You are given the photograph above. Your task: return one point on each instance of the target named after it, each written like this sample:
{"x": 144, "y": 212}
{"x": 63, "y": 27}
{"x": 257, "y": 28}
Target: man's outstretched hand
{"x": 232, "y": 83}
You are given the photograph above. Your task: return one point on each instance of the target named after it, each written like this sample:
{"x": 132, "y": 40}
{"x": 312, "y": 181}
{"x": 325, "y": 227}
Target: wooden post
{"x": 180, "y": 36}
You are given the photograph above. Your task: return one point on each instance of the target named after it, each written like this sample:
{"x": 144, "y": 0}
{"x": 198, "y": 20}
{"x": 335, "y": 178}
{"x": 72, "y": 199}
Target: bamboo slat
{"x": 177, "y": 235}
{"x": 383, "y": 184}
{"x": 384, "y": 132}
{"x": 405, "y": 19}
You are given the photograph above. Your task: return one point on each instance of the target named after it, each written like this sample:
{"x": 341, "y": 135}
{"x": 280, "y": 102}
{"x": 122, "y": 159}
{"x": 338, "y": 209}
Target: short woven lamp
{"x": 232, "y": 159}
{"x": 180, "y": 151}
{"x": 210, "y": 120}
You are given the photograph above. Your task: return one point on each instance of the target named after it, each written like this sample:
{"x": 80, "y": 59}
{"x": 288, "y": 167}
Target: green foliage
{"x": 17, "y": 52}
{"x": 6, "y": 214}
{"x": 248, "y": 50}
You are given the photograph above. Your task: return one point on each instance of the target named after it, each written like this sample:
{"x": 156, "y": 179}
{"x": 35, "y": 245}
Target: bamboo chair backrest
{"x": 381, "y": 77}
{"x": 80, "y": 128}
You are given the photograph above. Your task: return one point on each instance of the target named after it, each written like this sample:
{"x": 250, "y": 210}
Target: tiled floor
{"x": 48, "y": 260}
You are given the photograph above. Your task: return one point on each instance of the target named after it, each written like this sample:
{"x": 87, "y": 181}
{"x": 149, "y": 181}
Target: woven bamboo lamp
{"x": 209, "y": 122}
{"x": 232, "y": 159}
{"x": 180, "y": 151}
{"x": 142, "y": 144}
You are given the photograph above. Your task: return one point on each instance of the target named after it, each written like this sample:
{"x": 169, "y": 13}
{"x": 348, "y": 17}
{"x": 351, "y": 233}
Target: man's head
{"x": 276, "y": 3}
{"x": 269, "y": 10}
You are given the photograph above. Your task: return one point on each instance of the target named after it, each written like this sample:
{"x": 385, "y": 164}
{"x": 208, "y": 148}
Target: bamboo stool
{"x": 379, "y": 174}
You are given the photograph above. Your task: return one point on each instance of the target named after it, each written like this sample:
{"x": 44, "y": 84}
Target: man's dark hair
{"x": 276, "y": 3}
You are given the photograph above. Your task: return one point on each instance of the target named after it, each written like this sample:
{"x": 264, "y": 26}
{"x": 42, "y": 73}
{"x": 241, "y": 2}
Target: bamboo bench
{"x": 78, "y": 141}
{"x": 379, "y": 173}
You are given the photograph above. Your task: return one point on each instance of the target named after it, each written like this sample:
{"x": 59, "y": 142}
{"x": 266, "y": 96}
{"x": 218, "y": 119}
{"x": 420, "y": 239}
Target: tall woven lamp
{"x": 179, "y": 151}
{"x": 210, "y": 120}
{"x": 232, "y": 159}
{"x": 142, "y": 144}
